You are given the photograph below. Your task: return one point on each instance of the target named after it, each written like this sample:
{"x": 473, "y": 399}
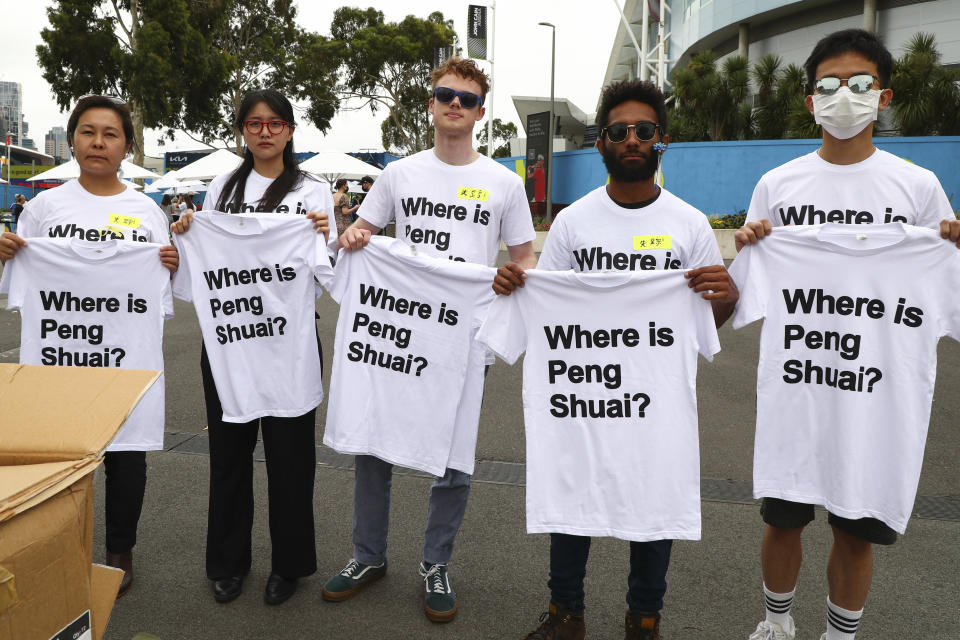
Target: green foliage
{"x": 137, "y": 50}
{"x": 780, "y": 94}
{"x": 265, "y": 48}
{"x": 540, "y": 223}
{"x": 729, "y": 221}
{"x": 502, "y": 133}
{"x": 710, "y": 102}
{"x": 926, "y": 96}
{"x": 386, "y": 65}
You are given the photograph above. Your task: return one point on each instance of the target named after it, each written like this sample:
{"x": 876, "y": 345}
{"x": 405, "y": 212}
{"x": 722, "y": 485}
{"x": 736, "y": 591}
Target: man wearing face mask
{"x": 847, "y": 180}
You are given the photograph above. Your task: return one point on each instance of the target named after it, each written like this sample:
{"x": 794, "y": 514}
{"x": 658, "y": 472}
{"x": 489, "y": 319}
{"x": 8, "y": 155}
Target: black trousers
{"x": 646, "y": 582}
{"x": 125, "y": 473}
{"x": 290, "y": 449}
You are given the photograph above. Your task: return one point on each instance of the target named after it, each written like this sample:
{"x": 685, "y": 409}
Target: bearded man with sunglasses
{"x": 847, "y": 180}
{"x": 449, "y": 202}
{"x": 600, "y": 232}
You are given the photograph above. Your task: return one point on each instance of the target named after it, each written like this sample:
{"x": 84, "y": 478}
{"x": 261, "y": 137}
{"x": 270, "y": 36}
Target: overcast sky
{"x": 585, "y": 33}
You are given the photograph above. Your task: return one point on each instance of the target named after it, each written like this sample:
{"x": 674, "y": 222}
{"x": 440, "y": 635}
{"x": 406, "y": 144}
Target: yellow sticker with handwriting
{"x": 651, "y": 242}
{"x": 124, "y": 221}
{"x": 472, "y": 193}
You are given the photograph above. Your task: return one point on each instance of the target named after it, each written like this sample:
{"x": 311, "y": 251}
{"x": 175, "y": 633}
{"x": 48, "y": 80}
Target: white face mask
{"x": 844, "y": 114}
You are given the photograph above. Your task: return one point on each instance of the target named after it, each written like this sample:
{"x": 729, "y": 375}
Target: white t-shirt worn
{"x": 451, "y": 211}
{"x": 70, "y": 211}
{"x": 407, "y": 376}
{"x": 596, "y": 234}
{"x": 98, "y": 304}
{"x": 251, "y": 279}
{"x": 881, "y": 189}
{"x": 311, "y": 195}
{"x": 610, "y": 405}
{"x": 847, "y": 366}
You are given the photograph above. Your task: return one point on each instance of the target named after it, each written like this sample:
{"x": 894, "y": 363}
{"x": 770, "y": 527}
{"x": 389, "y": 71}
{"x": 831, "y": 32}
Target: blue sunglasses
{"x": 468, "y": 100}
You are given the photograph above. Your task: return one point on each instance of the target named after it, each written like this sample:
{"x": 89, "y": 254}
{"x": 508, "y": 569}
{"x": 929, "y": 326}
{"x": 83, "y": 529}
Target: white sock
{"x": 778, "y": 608}
{"x": 841, "y": 623}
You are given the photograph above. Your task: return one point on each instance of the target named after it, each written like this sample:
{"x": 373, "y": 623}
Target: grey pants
{"x": 371, "y": 512}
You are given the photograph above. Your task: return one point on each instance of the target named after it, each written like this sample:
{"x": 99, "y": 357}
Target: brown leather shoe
{"x": 122, "y": 561}
{"x": 641, "y": 625}
{"x": 559, "y": 623}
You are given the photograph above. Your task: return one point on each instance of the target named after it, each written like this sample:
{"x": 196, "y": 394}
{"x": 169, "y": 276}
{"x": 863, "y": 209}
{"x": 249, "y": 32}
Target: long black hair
{"x": 231, "y": 198}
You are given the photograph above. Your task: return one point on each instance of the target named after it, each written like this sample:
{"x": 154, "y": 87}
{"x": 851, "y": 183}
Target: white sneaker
{"x": 824, "y": 636}
{"x": 767, "y": 630}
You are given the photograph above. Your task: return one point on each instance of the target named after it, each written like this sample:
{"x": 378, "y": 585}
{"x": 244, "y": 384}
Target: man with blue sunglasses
{"x": 453, "y": 203}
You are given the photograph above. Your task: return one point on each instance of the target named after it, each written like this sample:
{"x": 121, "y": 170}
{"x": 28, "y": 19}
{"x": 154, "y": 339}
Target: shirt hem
{"x": 633, "y": 536}
{"x": 274, "y": 413}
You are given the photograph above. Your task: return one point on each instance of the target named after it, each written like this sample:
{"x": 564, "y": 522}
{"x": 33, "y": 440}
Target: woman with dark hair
{"x": 341, "y": 205}
{"x": 100, "y": 134}
{"x": 268, "y": 180}
{"x": 166, "y": 203}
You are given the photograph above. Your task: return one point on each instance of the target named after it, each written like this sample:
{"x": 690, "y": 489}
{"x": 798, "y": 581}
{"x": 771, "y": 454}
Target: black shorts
{"x": 784, "y": 514}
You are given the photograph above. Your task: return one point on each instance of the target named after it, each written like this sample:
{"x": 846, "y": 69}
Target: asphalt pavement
{"x": 499, "y": 572}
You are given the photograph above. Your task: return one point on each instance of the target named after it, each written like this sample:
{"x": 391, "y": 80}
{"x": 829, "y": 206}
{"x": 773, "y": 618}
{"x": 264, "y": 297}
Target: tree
{"x": 387, "y": 66}
{"x": 267, "y": 49}
{"x": 780, "y": 99}
{"x": 926, "y": 96}
{"x": 136, "y": 50}
{"x": 502, "y": 133}
{"x": 710, "y": 103}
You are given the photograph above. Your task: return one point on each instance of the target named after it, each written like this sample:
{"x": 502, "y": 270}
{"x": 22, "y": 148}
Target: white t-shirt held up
{"x": 610, "y": 406}
{"x": 98, "y": 304}
{"x": 251, "y": 279}
{"x": 852, "y": 317}
{"x": 407, "y": 377}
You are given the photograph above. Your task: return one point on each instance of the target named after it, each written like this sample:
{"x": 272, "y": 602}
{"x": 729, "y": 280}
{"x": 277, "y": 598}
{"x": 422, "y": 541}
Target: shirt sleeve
{"x": 935, "y": 207}
{"x": 322, "y": 200}
{"x": 502, "y": 330}
{"x": 760, "y": 205}
{"x": 182, "y": 287}
{"x": 10, "y": 281}
{"x": 706, "y": 251}
{"x": 951, "y": 312}
{"x": 166, "y": 296}
{"x": 708, "y": 342}
{"x": 336, "y": 285}
{"x": 28, "y": 225}
{"x": 213, "y": 195}
{"x": 516, "y": 224}
{"x": 322, "y": 267}
{"x": 748, "y": 274}
{"x": 377, "y": 207}
{"x": 556, "y": 249}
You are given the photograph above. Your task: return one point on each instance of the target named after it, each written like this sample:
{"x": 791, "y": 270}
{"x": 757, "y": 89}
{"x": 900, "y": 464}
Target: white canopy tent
{"x": 207, "y": 167}
{"x": 190, "y": 186}
{"x": 330, "y": 166}
{"x": 70, "y": 170}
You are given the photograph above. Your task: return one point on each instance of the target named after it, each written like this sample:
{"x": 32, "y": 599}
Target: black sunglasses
{"x": 446, "y": 95}
{"x": 644, "y": 130}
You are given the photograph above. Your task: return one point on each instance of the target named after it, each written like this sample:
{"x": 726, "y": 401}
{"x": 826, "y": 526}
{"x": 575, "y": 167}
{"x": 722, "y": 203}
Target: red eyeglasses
{"x": 275, "y": 127}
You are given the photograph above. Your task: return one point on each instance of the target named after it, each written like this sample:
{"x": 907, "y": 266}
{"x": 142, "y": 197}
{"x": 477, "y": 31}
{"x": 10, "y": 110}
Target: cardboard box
{"x": 55, "y": 423}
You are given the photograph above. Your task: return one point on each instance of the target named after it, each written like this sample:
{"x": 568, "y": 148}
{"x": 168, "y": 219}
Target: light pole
{"x": 553, "y": 58}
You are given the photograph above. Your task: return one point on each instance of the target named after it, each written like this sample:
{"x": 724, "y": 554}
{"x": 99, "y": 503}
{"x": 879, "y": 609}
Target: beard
{"x": 624, "y": 173}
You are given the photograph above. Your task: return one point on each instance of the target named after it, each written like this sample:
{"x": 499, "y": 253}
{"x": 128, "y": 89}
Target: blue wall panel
{"x": 719, "y": 177}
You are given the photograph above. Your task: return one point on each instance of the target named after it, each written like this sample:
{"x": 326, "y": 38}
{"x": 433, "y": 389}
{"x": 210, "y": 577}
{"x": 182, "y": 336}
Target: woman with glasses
{"x": 100, "y": 135}
{"x": 268, "y": 180}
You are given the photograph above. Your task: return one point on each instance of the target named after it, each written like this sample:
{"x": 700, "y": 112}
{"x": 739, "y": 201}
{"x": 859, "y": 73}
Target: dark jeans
{"x": 647, "y": 582}
{"x": 126, "y": 479}
{"x": 290, "y": 450}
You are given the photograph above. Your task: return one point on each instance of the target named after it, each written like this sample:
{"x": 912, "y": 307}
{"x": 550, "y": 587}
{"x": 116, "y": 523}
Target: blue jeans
{"x": 371, "y": 512}
{"x": 646, "y": 584}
